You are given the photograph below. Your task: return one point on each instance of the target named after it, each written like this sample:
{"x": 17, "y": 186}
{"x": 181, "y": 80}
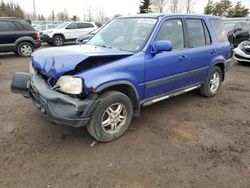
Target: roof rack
{"x": 9, "y": 17}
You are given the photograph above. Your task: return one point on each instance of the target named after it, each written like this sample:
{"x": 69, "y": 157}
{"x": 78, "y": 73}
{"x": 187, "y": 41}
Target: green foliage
{"x": 209, "y": 7}
{"x": 145, "y": 6}
{"x": 226, "y": 8}
{"x": 11, "y": 9}
{"x": 239, "y": 10}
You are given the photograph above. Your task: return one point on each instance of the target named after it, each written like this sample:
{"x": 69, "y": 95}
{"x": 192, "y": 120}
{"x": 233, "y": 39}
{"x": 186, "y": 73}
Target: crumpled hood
{"x": 54, "y": 62}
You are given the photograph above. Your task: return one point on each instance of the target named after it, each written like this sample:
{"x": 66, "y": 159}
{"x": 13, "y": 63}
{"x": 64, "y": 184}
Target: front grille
{"x": 49, "y": 80}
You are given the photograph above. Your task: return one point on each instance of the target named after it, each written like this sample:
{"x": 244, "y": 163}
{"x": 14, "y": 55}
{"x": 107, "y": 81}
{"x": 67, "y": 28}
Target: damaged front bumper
{"x": 240, "y": 55}
{"x": 58, "y": 107}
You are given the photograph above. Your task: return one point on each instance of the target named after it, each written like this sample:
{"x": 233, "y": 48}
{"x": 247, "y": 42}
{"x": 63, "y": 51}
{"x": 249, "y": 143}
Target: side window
{"x": 85, "y": 25}
{"x": 244, "y": 26}
{"x": 72, "y": 26}
{"x": 172, "y": 30}
{"x": 219, "y": 30}
{"x": 19, "y": 26}
{"x": 207, "y": 35}
{"x": 238, "y": 26}
{"x": 197, "y": 34}
{"x": 7, "y": 26}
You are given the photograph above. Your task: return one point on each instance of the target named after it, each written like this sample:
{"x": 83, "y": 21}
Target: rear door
{"x": 84, "y": 28}
{"x": 8, "y": 35}
{"x": 71, "y": 31}
{"x": 200, "y": 49}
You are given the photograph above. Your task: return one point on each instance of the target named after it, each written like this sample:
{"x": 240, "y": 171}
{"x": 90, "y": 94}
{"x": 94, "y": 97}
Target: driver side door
{"x": 168, "y": 71}
{"x": 70, "y": 31}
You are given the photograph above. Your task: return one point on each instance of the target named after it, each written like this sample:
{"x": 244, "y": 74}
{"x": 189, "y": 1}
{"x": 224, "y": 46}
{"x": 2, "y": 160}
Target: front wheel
{"x": 211, "y": 87}
{"x": 111, "y": 117}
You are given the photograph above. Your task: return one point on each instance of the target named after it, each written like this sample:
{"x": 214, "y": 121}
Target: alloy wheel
{"x": 113, "y": 118}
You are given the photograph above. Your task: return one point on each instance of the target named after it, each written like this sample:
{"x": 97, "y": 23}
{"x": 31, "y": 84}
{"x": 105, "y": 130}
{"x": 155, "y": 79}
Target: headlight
{"x": 70, "y": 85}
{"x": 31, "y": 69}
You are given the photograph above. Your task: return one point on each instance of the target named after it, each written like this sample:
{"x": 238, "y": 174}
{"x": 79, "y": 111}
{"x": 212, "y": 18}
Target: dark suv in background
{"x": 238, "y": 31}
{"x": 18, "y": 36}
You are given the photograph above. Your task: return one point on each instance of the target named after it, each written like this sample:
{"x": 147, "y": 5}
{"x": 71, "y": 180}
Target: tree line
{"x": 226, "y": 8}
{"x": 222, "y": 8}
{"x": 161, "y": 6}
{"x": 11, "y": 9}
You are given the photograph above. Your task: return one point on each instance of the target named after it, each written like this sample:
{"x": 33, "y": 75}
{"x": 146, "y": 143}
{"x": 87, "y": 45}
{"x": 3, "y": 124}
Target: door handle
{"x": 213, "y": 51}
{"x": 183, "y": 57}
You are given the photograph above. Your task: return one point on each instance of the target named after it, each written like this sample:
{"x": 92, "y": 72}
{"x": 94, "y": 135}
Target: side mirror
{"x": 161, "y": 46}
{"x": 238, "y": 29}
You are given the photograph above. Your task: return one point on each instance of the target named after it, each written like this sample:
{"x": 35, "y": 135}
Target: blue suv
{"x": 130, "y": 63}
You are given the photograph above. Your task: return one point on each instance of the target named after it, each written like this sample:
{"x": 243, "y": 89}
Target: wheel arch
{"x": 221, "y": 65}
{"x": 126, "y": 88}
{"x": 24, "y": 39}
{"x": 60, "y": 34}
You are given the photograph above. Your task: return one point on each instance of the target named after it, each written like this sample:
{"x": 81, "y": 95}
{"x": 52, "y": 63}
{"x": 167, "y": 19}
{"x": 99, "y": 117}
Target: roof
{"x": 155, "y": 15}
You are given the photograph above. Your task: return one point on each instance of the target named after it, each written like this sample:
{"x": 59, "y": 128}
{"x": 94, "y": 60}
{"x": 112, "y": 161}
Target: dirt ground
{"x": 187, "y": 141}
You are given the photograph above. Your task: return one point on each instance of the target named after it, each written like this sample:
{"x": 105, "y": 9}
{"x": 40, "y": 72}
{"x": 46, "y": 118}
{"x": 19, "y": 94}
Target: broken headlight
{"x": 70, "y": 85}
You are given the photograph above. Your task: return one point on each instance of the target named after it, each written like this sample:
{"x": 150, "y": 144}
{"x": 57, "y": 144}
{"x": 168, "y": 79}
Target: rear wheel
{"x": 58, "y": 40}
{"x": 25, "y": 49}
{"x": 111, "y": 117}
{"x": 211, "y": 87}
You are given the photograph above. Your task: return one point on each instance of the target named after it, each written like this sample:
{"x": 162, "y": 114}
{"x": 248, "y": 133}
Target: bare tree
{"x": 159, "y": 5}
{"x": 89, "y": 13}
{"x": 189, "y": 5}
{"x": 63, "y": 15}
{"x": 176, "y": 5}
{"x": 101, "y": 15}
{"x": 53, "y": 15}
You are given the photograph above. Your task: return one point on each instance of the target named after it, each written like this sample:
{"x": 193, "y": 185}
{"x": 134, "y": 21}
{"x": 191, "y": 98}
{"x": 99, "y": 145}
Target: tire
{"x": 25, "y": 49}
{"x": 212, "y": 85}
{"x": 58, "y": 40}
{"x": 50, "y": 43}
{"x": 107, "y": 125}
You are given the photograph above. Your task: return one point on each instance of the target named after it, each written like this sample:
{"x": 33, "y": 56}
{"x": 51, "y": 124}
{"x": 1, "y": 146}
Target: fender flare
{"x": 54, "y": 34}
{"x": 120, "y": 82}
{"x": 24, "y": 39}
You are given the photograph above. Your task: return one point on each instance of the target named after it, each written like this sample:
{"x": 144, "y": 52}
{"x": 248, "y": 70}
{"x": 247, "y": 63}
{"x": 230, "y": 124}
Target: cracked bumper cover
{"x": 58, "y": 107}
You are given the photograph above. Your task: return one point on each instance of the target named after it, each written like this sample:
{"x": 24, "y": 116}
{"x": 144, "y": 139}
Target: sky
{"x": 109, "y": 7}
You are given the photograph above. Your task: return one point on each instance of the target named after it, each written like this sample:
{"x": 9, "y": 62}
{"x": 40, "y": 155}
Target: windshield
{"x": 63, "y": 25}
{"x": 128, "y": 34}
{"x": 229, "y": 26}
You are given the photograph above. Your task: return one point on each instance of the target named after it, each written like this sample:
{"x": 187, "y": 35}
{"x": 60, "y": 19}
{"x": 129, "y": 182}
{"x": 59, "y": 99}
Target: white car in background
{"x": 68, "y": 31}
{"x": 242, "y": 52}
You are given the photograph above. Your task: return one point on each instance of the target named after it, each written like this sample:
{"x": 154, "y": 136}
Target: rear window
{"x": 26, "y": 25}
{"x": 85, "y": 25}
{"x": 7, "y": 26}
{"x": 219, "y": 30}
{"x": 198, "y": 33}
{"x": 244, "y": 26}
